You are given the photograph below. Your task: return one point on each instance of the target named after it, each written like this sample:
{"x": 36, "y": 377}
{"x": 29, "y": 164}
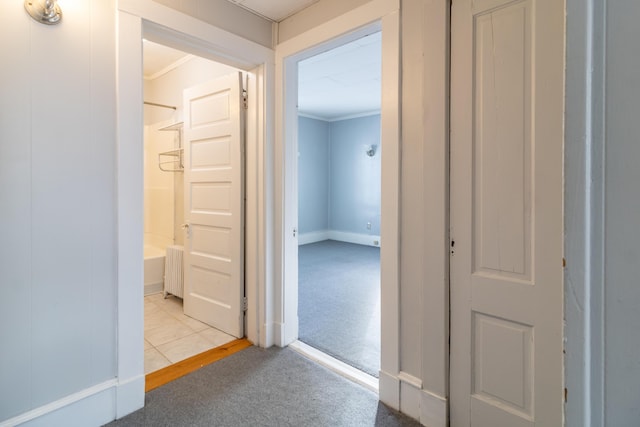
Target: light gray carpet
{"x": 258, "y": 387}
{"x": 339, "y": 301}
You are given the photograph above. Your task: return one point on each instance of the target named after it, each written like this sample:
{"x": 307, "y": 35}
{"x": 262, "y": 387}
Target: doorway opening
{"x": 170, "y": 28}
{"x": 339, "y": 205}
{"x": 170, "y": 335}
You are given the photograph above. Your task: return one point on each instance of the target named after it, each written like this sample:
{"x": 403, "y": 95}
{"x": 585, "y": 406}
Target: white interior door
{"x": 506, "y": 213}
{"x": 213, "y": 197}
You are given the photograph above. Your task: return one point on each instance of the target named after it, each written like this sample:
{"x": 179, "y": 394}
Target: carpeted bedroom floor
{"x": 339, "y": 301}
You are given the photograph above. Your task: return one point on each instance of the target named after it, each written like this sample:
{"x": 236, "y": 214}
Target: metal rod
{"x": 160, "y": 105}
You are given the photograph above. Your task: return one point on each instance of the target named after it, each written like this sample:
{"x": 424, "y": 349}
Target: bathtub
{"x": 153, "y": 269}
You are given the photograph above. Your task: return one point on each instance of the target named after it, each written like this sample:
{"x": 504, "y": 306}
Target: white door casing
{"x": 213, "y": 197}
{"x": 507, "y": 65}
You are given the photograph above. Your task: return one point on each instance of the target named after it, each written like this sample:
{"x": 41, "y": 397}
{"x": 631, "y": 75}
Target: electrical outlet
{"x": 368, "y": 226}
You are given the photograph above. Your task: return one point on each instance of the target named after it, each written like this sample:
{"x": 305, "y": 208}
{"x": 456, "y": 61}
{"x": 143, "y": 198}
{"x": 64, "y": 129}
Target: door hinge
{"x": 245, "y": 304}
{"x": 244, "y": 99}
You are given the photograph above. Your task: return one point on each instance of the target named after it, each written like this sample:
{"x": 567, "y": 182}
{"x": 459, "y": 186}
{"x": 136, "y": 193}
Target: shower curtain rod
{"x": 160, "y": 105}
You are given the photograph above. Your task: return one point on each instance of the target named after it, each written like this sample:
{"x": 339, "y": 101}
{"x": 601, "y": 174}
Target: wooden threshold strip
{"x": 165, "y": 375}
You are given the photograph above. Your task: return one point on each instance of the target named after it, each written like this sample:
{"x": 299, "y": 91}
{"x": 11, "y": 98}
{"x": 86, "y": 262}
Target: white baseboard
{"x": 130, "y": 396}
{"x": 153, "y": 288}
{"x": 313, "y": 237}
{"x": 267, "y": 335}
{"x": 340, "y": 236}
{"x": 389, "y": 390}
{"x": 358, "y": 239}
{"x": 404, "y": 393}
{"x": 410, "y": 395}
{"x": 433, "y": 410}
{"x": 279, "y": 334}
{"x": 96, "y": 405}
{"x": 92, "y": 406}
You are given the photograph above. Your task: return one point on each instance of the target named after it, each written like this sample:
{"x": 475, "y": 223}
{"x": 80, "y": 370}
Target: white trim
{"x": 130, "y": 326}
{"x": 405, "y": 392}
{"x": 356, "y": 238}
{"x": 349, "y": 23}
{"x": 265, "y": 204}
{"x": 390, "y": 121}
{"x": 311, "y": 116}
{"x": 389, "y": 390}
{"x": 336, "y": 365}
{"x": 355, "y": 116}
{"x": 313, "y": 237}
{"x": 584, "y": 194}
{"x": 183, "y": 32}
{"x": 98, "y": 392}
{"x": 153, "y": 288}
{"x": 340, "y": 236}
{"x": 167, "y": 26}
{"x": 434, "y": 411}
{"x": 410, "y": 398}
{"x": 129, "y": 395}
{"x": 410, "y": 379}
{"x": 278, "y": 332}
{"x": 169, "y": 67}
{"x": 341, "y": 118}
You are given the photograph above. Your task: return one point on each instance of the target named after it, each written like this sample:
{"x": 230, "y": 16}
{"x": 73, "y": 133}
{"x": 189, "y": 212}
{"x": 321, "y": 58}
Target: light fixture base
{"x": 44, "y": 11}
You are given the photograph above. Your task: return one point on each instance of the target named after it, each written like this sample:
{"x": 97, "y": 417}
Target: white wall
{"x": 601, "y": 214}
{"x": 159, "y": 205}
{"x": 583, "y": 214}
{"x": 601, "y": 220}
{"x": 621, "y": 305}
{"x": 57, "y": 222}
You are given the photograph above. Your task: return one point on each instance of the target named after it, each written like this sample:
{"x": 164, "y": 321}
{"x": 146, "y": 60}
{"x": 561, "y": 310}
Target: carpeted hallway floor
{"x": 258, "y": 387}
{"x": 339, "y": 301}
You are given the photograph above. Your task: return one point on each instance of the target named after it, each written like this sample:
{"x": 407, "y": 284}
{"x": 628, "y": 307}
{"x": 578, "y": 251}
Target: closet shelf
{"x": 171, "y": 161}
{"x": 175, "y": 153}
{"x": 175, "y": 126}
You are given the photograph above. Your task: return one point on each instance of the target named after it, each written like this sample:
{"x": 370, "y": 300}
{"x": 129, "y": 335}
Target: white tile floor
{"x": 170, "y": 336}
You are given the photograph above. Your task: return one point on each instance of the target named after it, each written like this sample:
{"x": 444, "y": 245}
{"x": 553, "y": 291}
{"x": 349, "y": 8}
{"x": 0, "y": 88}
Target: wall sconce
{"x": 44, "y": 11}
{"x": 371, "y": 151}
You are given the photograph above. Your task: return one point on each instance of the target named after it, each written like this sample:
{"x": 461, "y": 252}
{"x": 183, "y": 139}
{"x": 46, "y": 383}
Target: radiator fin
{"x": 173, "y": 271}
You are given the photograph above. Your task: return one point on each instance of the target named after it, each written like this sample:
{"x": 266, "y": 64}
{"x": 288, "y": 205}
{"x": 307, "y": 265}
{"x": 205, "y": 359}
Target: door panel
{"x": 506, "y": 212}
{"x": 213, "y": 158}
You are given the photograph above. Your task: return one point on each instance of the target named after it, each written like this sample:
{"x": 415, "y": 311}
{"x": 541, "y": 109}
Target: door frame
{"x": 584, "y": 211}
{"x": 144, "y": 18}
{"x": 367, "y": 19}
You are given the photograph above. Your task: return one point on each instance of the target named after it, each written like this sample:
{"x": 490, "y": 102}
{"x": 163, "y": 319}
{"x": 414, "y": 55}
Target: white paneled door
{"x": 507, "y": 68}
{"x": 213, "y": 198}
